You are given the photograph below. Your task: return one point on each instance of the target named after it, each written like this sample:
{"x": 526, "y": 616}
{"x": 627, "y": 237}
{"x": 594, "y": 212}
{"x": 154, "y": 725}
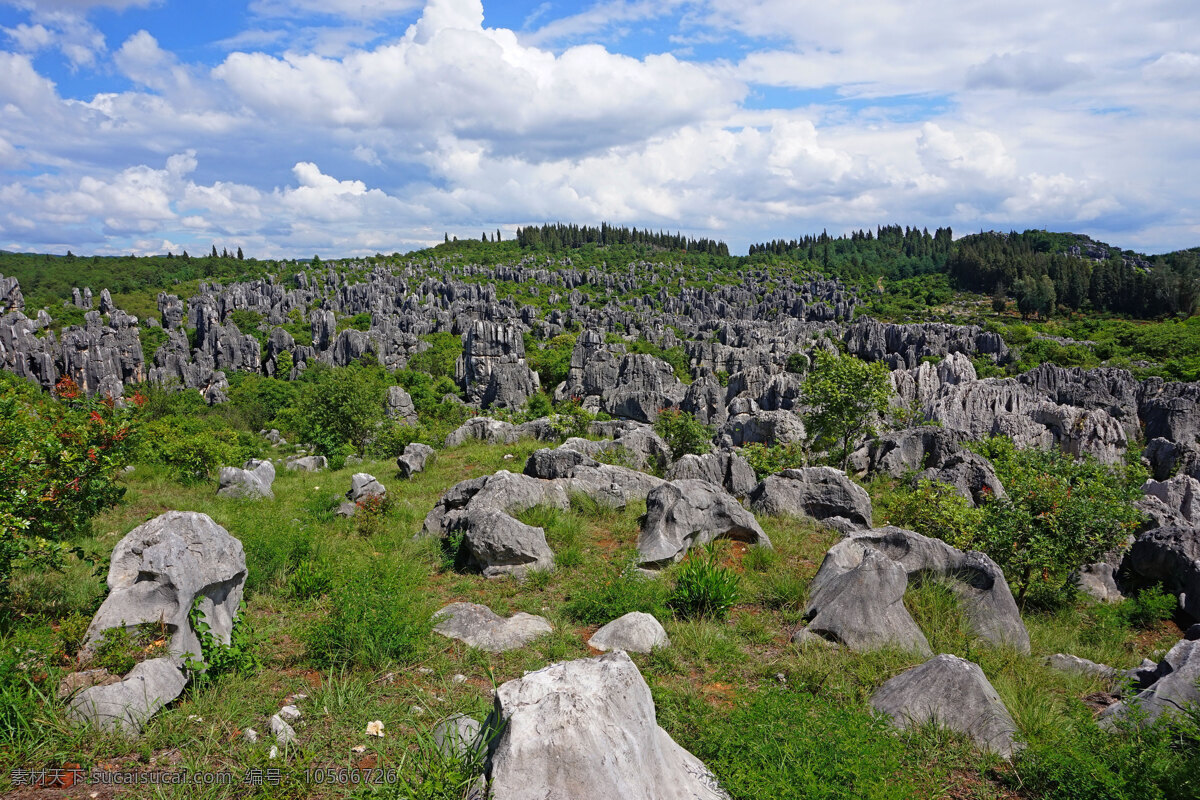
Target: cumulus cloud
{"x": 342, "y": 138}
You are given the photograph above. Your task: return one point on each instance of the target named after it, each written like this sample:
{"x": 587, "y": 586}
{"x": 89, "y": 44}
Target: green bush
{"x": 217, "y": 659}
{"x": 1058, "y": 514}
{"x": 570, "y": 419}
{"x": 192, "y": 448}
{"x": 1149, "y": 607}
{"x": 58, "y": 469}
{"x": 379, "y": 616}
{"x": 937, "y": 510}
{"x": 438, "y": 359}
{"x": 769, "y": 460}
{"x": 121, "y": 649}
{"x": 845, "y": 395}
{"x": 683, "y": 433}
{"x": 704, "y": 588}
{"x": 341, "y": 406}
{"x": 551, "y": 360}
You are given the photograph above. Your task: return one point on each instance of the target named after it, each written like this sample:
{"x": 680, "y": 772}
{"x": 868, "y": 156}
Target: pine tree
{"x": 240, "y": 257}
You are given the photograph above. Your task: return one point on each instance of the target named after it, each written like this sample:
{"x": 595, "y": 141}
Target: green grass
{"x": 344, "y": 618}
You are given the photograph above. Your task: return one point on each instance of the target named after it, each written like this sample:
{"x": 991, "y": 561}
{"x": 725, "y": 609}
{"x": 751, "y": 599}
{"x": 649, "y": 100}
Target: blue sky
{"x": 293, "y": 127}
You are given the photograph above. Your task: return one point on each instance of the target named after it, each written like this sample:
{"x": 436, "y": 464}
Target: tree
{"x": 340, "y": 407}
{"x": 240, "y": 257}
{"x": 999, "y": 300}
{"x": 214, "y": 252}
{"x": 845, "y": 394}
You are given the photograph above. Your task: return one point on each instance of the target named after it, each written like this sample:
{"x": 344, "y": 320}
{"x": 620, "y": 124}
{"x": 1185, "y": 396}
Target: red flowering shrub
{"x": 59, "y": 460}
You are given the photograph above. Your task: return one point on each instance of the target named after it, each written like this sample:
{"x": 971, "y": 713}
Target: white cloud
{"x": 30, "y": 38}
{"x": 342, "y": 139}
{"x": 1030, "y": 72}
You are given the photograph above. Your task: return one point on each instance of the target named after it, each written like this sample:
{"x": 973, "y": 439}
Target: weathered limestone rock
{"x": 861, "y": 605}
{"x": 253, "y": 480}
{"x": 1172, "y": 502}
{"x": 160, "y": 568}
{"x": 1170, "y": 556}
{"x": 635, "y": 632}
{"x": 856, "y": 599}
{"x": 1172, "y": 686}
{"x": 817, "y": 492}
{"x": 688, "y": 513}
{"x": 480, "y": 627}
{"x": 484, "y": 429}
{"x": 587, "y": 728}
{"x": 762, "y": 427}
{"x": 414, "y": 459}
{"x": 723, "y": 468}
{"x": 955, "y": 694}
{"x": 459, "y": 737}
{"x": 308, "y": 463}
{"x": 125, "y": 706}
{"x": 400, "y": 405}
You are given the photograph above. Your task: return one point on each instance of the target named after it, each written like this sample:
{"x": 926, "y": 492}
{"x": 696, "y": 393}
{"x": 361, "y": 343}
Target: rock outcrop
{"x": 587, "y": 729}
{"x": 954, "y": 693}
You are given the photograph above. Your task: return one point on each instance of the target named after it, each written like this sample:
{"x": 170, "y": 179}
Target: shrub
{"x": 938, "y": 510}
{"x": 60, "y": 463}
{"x": 191, "y": 448}
{"x": 552, "y": 360}
{"x": 439, "y": 357}
{"x": 1149, "y": 607}
{"x": 704, "y": 588}
{"x": 1058, "y": 515}
{"x": 570, "y": 419}
{"x": 380, "y": 615}
{"x": 368, "y": 514}
{"x": 121, "y": 649}
{"x": 217, "y": 659}
{"x": 770, "y": 460}
{"x": 341, "y": 406}
{"x": 683, "y": 433}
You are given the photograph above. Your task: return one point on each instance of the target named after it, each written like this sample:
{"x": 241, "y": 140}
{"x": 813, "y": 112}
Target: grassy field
{"x": 338, "y": 612}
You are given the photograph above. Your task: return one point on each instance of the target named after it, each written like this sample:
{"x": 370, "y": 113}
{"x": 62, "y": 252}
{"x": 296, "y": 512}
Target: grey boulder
{"x": 689, "y": 513}
{"x": 459, "y": 737}
{"x": 127, "y": 705}
{"x": 161, "y": 568}
{"x": 817, "y": 492}
{"x": 1170, "y": 556}
{"x": 483, "y": 429}
{"x": 724, "y": 468}
{"x": 1172, "y": 686}
{"x": 413, "y": 459}
{"x": 860, "y": 605}
{"x": 955, "y": 694}
{"x": 253, "y": 480}
{"x": 480, "y": 627}
{"x": 587, "y": 728}
{"x": 762, "y": 427}
{"x": 635, "y": 632}
{"x": 308, "y": 463}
